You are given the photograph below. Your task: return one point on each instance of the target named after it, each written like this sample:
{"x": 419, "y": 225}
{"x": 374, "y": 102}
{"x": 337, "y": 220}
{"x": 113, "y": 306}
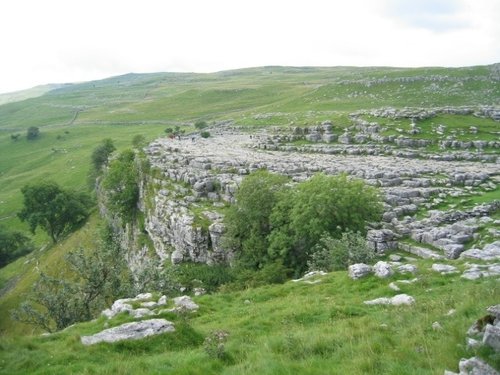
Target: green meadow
{"x": 293, "y": 328}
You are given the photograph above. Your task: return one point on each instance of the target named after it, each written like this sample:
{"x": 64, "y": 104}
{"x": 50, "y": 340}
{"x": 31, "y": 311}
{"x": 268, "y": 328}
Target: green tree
{"x": 138, "y": 141}
{"x": 13, "y": 244}
{"x": 332, "y": 254}
{"x": 247, "y": 222}
{"x": 55, "y": 210}
{"x": 32, "y": 133}
{"x": 93, "y": 279}
{"x": 322, "y": 204}
{"x": 205, "y": 134}
{"x": 122, "y": 184}
{"x": 101, "y": 154}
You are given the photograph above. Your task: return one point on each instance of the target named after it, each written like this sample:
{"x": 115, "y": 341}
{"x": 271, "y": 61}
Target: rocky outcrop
{"x": 130, "y": 331}
{"x": 484, "y": 332}
{"x": 190, "y": 181}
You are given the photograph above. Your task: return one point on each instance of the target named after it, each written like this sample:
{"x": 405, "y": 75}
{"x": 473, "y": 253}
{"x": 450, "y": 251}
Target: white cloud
{"x": 61, "y": 41}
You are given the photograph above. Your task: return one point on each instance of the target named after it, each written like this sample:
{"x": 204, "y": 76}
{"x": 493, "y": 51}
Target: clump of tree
{"x": 55, "y": 210}
{"x": 15, "y": 137}
{"x": 101, "y": 154}
{"x": 274, "y": 223}
{"x": 92, "y": 280}
{"x": 121, "y": 182}
{"x": 175, "y": 132}
{"x": 13, "y": 244}
{"x": 138, "y": 141}
{"x": 32, "y": 133}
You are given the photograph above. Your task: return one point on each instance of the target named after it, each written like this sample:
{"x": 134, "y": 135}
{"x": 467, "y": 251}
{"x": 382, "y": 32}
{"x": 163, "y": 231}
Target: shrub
{"x": 247, "y": 221}
{"x": 101, "y": 154}
{"x": 200, "y": 124}
{"x": 205, "y": 134}
{"x": 122, "y": 184}
{"x": 93, "y": 279}
{"x": 214, "y": 344}
{"x": 13, "y": 245}
{"x": 138, "y": 141}
{"x": 332, "y": 254}
{"x": 210, "y": 277}
{"x": 32, "y": 133}
{"x": 331, "y": 204}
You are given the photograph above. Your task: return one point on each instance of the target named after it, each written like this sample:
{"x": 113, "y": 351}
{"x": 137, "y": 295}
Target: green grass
{"x": 65, "y": 160}
{"x": 285, "y": 329}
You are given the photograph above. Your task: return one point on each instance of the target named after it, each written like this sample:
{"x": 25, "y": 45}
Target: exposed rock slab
{"x": 130, "y": 331}
{"x": 400, "y": 299}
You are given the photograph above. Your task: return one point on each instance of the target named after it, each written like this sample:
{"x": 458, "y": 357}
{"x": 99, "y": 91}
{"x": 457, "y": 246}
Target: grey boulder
{"x": 130, "y": 331}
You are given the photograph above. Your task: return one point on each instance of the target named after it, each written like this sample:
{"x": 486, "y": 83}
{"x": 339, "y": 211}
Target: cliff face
{"x": 178, "y": 216}
{"x": 180, "y": 234}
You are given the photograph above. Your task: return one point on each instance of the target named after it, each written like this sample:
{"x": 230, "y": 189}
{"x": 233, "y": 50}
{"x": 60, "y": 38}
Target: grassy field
{"x": 284, "y": 329}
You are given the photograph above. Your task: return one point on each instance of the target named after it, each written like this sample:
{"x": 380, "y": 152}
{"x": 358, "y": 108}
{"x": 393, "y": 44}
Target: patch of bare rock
{"x": 143, "y": 305}
{"x": 484, "y": 332}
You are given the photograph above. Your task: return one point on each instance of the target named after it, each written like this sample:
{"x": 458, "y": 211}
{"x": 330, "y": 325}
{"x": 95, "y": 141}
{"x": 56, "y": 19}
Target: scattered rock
{"x": 475, "y": 366}
{"x": 359, "y": 270}
{"x": 407, "y": 268}
{"x": 394, "y": 287}
{"x": 311, "y": 275}
{"x": 130, "y": 331}
{"x": 444, "y": 269}
{"x": 185, "y": 302}
{"x": 383, "y": 269}
{"x": 395, "y": 257}
{"x": 492, "y": 337}
{"x": 400, "y": 299}
{"x": 436, "y": 326}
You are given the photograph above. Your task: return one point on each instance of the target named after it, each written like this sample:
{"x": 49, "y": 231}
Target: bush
{"x": 192, "y": 275}
{"x": 92, "y": 280}
{"x": 122, "y": 184}
{"x": 205, "y": 134}
{"x": 138, "y": 141}
{"x": 332, "y": 254}
{"x": 13, "y": 245}
{"x": 214, "y": 344}
{"x": 101, "y": 154}
{"x": 32, "y": 133}
{"x": 200, "y": 124}
{"x": 247, "y": 221}
{"x": 273, "y": 223}
{"x": 331, "y": 204}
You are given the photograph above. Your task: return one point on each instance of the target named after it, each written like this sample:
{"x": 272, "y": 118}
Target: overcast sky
{"x": 55, "y": 41}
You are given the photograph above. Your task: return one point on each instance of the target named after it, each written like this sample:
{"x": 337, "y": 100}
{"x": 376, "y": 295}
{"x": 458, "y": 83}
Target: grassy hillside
{"x": 74, "y": 118}
{"x": 284, "y": 329}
